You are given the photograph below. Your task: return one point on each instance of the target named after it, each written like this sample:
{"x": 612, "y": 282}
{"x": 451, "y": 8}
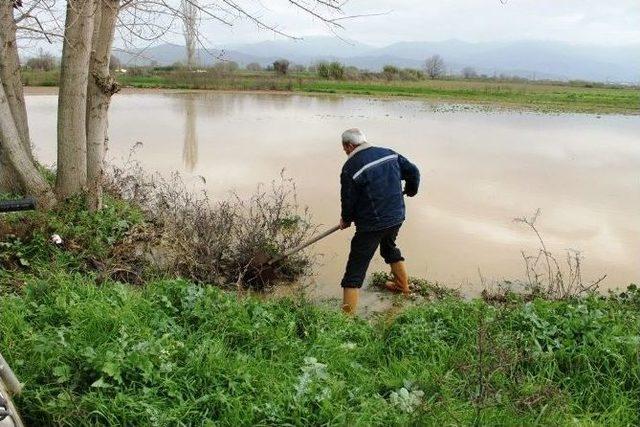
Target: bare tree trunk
{"x": 101, "y": 87}
{"x": 30, "y": 179}
{"x": 72, "y": 98}
{"x": 12, "y": 84}
{"x": 190, "y": 21}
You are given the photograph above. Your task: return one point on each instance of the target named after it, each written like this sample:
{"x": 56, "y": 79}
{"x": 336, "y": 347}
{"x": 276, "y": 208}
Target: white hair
{"x": 353, "y": 136}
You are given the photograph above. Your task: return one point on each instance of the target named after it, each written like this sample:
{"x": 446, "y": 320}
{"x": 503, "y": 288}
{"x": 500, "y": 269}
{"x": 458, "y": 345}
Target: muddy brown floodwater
{"x": 480, "y": 169}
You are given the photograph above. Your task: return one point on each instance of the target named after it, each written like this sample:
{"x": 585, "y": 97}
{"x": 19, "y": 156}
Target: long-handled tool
{"x": 26, "y": 204}
{"x": 9, "y": 378}
{"x": 265, "y": 269}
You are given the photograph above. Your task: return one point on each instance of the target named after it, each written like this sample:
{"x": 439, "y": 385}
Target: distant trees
{"x": 434, "y": 67}
{"x": 43, "y": 62}
{"x": 281, "y": 66}
{"x": 298, "y": 68}
{"x": 469, "y": 73}
{"x": 254, "y": 66}
{"x": 114, "y": 63}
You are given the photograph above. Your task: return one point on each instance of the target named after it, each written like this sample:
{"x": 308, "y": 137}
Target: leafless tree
{"x": 71, "y": 177}
{"x": 18, "y": 171}
{"x": 190, "y": 22}
{"x": 434, "y": 66}
{"x": 469, "y": 73}
{"x": 101, "y": 86}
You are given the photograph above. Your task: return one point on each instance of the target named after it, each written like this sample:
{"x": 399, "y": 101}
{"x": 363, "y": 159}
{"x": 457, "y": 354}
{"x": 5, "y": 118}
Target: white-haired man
{"x": 372, "y": 197}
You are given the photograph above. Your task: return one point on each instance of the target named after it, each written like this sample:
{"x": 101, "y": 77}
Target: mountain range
{"x": 530, "y": 59}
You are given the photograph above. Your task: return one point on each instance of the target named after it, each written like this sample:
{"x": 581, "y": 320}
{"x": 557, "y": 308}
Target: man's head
{"x": 351, "y": 139}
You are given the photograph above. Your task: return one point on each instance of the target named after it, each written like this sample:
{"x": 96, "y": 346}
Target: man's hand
{"x": 344, "y": 224}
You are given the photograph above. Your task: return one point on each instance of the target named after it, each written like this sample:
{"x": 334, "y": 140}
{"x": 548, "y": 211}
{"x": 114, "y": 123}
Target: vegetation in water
{"x": 153, "y": 226}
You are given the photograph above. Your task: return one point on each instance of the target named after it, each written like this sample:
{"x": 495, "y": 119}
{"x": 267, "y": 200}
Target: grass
{"x": 176, "y": 353}
{"x": 545, "y": 97}
{"x": 95, "y": 351}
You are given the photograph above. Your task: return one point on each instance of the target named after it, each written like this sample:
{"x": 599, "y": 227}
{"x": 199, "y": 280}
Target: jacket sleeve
{"x": 347, "y": 197}
{"x": 411, "y": 176}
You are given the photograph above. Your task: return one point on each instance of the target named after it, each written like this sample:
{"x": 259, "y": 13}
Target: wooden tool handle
{"x": 305, "y": 244}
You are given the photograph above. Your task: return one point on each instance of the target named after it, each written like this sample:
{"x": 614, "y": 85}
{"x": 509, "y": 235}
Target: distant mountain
{"x": 530, "y": 59}
{"x": 168, "y": 54}
{"x": 309, "y": 48}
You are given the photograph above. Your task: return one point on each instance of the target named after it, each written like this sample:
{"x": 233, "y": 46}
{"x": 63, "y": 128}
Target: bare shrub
{"x": 390, "y": 72}
{"x": 434, "y": 67}
{"x": 544, "y": 274}
{"x": 216, "y": 241}
{"x": 43, "y": 62}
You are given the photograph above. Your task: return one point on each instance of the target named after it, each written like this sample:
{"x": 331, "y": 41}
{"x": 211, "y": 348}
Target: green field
{"x": 545, "y": 97}
{"x": 95, "y": 351}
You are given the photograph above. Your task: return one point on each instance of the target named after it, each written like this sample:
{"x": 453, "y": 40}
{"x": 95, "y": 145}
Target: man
{"x": 372, "y": 197}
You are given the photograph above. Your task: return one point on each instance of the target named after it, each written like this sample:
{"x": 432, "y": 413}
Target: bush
{"x": 281, "y": 66}
{"x": 225, "y": 68}
{"x": 411, "y": 74}
{"x": 352, "y": 73}
{"x": 323, "y": 70}
{"x": 336, "y": 70}
{"x": 218, "y": 242}
{"x": 254, "y": 66}
{"x": 390, "y": 72}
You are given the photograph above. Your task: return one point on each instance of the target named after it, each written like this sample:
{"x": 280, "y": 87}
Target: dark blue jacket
{"x": 371, "y": 188}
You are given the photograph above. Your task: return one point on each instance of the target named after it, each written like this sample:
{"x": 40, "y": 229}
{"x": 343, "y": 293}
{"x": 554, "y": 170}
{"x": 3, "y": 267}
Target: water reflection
{"x": 190, "y": 146}
{"x": 480, "y": 170}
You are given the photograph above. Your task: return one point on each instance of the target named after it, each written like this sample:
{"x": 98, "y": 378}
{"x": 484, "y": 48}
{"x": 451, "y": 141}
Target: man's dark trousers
{"x": 363, "y": 247}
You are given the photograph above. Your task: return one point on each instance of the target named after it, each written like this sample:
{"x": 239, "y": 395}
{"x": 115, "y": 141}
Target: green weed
{"x": 174, "y": 352}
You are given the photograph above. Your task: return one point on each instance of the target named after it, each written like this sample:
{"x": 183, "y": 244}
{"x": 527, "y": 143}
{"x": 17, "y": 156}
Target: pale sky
{"x": 612, "y": 22}
{"x": 603, "y": 22}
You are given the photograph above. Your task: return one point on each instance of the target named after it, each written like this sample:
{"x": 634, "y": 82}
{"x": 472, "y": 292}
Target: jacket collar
{"x": 359, "y": 148}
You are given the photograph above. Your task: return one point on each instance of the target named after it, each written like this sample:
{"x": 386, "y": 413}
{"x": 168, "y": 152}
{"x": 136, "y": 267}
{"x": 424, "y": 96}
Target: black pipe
{"x": 26, "y": 204}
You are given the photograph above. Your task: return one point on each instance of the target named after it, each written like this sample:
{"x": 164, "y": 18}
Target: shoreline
{"x": 449, "y": 103}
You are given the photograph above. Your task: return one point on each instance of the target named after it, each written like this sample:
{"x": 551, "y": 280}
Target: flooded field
{"x": 480, "y": 169}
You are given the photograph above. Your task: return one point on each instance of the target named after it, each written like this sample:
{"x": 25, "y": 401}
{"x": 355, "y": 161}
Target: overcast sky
{"x": 603, "y": 22}
{"x": 612, "y": 22}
